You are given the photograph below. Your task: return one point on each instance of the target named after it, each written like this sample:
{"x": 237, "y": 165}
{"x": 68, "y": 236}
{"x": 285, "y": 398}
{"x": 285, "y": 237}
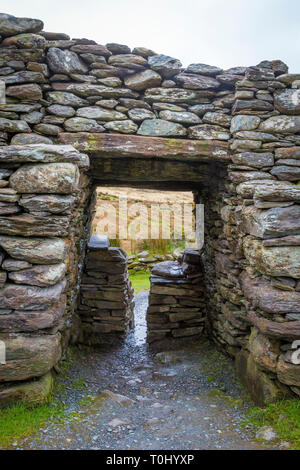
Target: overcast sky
{"x": 216, "y": 32}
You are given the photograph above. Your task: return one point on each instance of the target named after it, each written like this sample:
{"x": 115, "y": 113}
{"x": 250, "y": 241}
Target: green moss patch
{"x": 283, "y": 416}
{"x": 19, "y": 421}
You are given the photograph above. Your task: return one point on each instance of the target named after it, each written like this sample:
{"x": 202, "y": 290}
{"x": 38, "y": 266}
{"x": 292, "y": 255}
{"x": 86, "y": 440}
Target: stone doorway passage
{"x": 136, "y": 215}
{"x": 226, "y": 252}
{"x": 162, "y": 174}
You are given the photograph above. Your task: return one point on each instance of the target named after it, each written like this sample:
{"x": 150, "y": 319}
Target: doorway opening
{"x": 152, "y": 227}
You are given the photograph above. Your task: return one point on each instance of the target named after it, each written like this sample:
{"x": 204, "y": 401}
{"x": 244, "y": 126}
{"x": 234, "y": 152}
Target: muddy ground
{"x": 129, "y": 397}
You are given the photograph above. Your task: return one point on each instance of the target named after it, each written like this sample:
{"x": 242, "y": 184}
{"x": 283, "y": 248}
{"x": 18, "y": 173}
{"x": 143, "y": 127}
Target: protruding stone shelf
{"x": 132, "y": 146}
{"x": 288, "y": 330}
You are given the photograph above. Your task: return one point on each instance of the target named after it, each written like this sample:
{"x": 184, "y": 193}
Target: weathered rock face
{"x": 10, "y": 25}
{"x": 15, "y": 265}
{"x": 219, "y": 119}
{"x": 176, "y": 95}
{"x": 264, "y": 350}
{"x": 262, "y": 295}
{"x": 34, "y": 225}
{"x": 288, "y": 373}
{"x": 65, "y": 99}
{"x": 26, "y": 41}
{"x": 25, "y": 92}
{"x": 204, "y": 69}
{"x": 143, "y": 80}
{"x": 168, "y": 270}
{"x": 271, "y": 223}
{"x": 197, "y": 82}
{"x": 158, "y": 127}
{"x": 79, "y": 124}
{"x": 39, "y": 275}
{"x": 273, "y": 261}
{"x": 61, "y": 178}
{"x": 101, "y": 114}
{"x": 31, "y": 392}
{"x": 23, "y": 77}
{"x": 43, "y": 154}
{"x": 208, "y": 132}
{"x": 251, "y": 105}
{"x": 53, "y": 203}
{"x": 261, "y": 386}
{"x": 14, "y": 54}
{"x": 64, "y": 61}
{"x": 137, "y": 147}
{"x": 244, "y": 123}
{"x": 281, "y": 124}
{"x": 166, "y": 66}
{"x": 61, "y": 111}
{"x": 35, "y": 250}
{"x": 278, "y": 191}
{"x": 25, "y": 139}
{"x": 29, "y": 356}
{"x": 286, "y": 173}
{"x": 180, "y": 117}
{"x": 123, "y": 127}
{"x": 140, "y": 114}
{"x": 231, "y": 136}
{"x": 249, "y": 188}
{"x": 31, "y": 298}
{"x": 7, "y": 125}
{"x": 288, "y": 101}
{"x": 253, "y": 159}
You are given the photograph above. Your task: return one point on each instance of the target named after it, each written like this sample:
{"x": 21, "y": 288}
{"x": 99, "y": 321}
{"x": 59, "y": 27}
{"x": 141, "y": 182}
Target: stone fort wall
{"x": 75, "y": 114}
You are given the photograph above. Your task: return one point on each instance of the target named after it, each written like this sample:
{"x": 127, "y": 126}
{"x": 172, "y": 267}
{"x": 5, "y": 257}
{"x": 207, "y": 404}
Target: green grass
{"x": 22, "y": 420}
{"x": 19, "y": 421}
{"x": 283, "y": 416}
{"x": 140, "y": 281}
{"x": 162, "y": 246}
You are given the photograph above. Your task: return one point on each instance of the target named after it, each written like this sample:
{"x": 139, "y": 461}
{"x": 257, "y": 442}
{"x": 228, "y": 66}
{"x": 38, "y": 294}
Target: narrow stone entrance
{"x": 177, "y": 292}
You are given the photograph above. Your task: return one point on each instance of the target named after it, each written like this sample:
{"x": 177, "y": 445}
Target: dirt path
{"x": 187, "y": 399}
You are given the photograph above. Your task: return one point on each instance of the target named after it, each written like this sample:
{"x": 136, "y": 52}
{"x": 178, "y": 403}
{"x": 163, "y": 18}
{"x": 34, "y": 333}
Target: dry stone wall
{"x": 106, "y": 296}
{"x": 232, "y": 136}
{"x": 44, "y": 207}
{"x": 176, "y": 302}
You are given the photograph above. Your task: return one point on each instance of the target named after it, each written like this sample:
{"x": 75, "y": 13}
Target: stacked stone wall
{"x": 232, "y": 136}
{"x": 106, "y": 296}
{"x": 44, "y": 205}
{"x": 176, "y": 301}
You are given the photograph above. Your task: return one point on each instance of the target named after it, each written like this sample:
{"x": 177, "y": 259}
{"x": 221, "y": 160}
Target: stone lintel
{"x": 133, "y": 146}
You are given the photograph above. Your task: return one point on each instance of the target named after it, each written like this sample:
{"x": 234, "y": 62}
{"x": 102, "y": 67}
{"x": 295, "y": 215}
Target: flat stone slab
{"x": 29, "y": 356}
{"x": 10, "y": 25}
{"x": 169, "y": 270}
{"x": 98, "y": 242}
{"x": 35, "y": 250}
{"x": 191, "y": 256}
{"x": 42, "y": 153}
{"x": 133, "y": 146}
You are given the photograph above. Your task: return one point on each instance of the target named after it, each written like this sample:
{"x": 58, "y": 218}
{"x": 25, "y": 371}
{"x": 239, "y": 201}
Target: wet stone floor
{"x": 130, "y": 398}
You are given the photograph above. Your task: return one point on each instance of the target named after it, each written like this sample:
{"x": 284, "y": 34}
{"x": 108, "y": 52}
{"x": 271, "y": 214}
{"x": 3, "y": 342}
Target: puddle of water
{"x": 140, "y": 329}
